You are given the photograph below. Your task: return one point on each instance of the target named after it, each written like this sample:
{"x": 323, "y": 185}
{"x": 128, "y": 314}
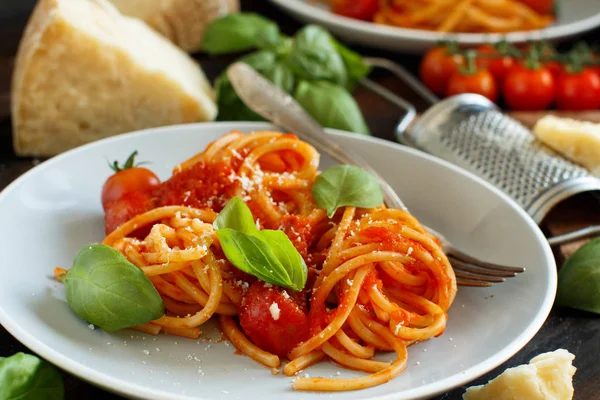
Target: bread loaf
{"x": 181, "y": 21}
{"x": 84, "y": 71}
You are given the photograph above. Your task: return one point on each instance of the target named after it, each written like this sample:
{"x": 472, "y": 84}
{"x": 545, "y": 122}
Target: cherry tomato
{"x": 498, "y": 66}
{"x": 273, "y": 319}
{"x": 578, "y": 91}
{"x": 126, "y": 179}
{"x": 357, "y": 9}
{"x": 124, "y": 208}
{"x": 481, "y": 82}
{"x": 437, "y": 67}
{"x": 540, "y": 6}
{"x": 527, "y": 89}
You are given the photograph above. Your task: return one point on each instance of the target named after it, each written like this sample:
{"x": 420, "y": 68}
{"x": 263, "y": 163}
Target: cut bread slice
{"x": 576, "y": 140}
{"x": 84, "y": 71}
{"x": 181, "y": 21}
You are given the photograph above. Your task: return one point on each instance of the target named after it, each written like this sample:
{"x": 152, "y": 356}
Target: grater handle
{"x": 571, "y": 237}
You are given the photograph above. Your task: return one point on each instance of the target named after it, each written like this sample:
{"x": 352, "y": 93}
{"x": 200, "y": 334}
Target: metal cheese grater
{"x": 471, "y": 132}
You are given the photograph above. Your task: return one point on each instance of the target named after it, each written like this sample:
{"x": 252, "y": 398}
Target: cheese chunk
{"x": 84, "y": 71}
{"x": 546, "y": 377}
{"x": 182, "y": 21}
{"x": 576, "y": 140}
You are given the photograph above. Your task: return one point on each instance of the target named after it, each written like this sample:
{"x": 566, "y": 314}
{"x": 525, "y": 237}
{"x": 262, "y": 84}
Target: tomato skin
{"x": 123, "y": 209}
{"x": 275, "y": 336}
{"x": 437, "y": 67}
{"x": 527, "y": 89}
{"x": 358, "y": 9}
{"x": 481, "y": 82}
{"x": 498, "y": 66}
{"x": 128, "y": 180}
{"x": 540, "y": 6}
{"x": 578, "y": 91}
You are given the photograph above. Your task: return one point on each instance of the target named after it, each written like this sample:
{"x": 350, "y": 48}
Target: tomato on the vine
{"x": 357, "y": 9}
{"x": 437, "y": 67}
{"x": 528, "y": 89}
{"x": 498, "y": 65}
{"x": 578, "y": 90}
{"x": 481, "y": 82}
{"x": 540, "y": 6}
{"x": 126, "y": 179}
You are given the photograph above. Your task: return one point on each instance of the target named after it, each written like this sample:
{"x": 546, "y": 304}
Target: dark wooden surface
{"x": 578, "y": 332}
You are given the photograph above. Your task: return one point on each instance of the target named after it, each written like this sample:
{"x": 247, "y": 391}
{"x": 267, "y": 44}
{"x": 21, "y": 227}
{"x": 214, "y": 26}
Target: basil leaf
{"x": 346, "y": 185}
{"x": 237, "y": 216}
{"x": 239, "y": 32}
{"x": 288, "y": 256}
{"x": 231, "y": 107}
{"x": 331, "y": 105}
{"x": 26, "y": 377}
{"x": 579, "y": 279}
{"x": 355, "y": 65}
{"x": 315, "y": 57}
{"x": 253, "y": 256}
{"x": 105, "y": 289}
{"x": 282, "y": 76}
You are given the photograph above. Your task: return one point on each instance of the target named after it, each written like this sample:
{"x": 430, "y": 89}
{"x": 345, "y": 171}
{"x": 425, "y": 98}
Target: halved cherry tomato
{"x": 437, "y": 67}
{"x": 528, "y": 89}
{"x": 499, "y": 66}
{"x": 357, "y": 9}
{"x": 540, "y": 6}
{"x": 126, "y": 179}
{"x": 578, "y": 91}
{"x": 481, "y": 82}
{"x": 126, "y": 207}
{"x": 274, "y": 319}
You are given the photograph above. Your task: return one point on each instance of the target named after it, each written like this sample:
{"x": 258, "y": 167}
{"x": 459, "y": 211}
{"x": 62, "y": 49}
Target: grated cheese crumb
{"x": 268, "y": 285}
{"x": 91, "y": 326}
{"x": 338, "y": 373}
{"x": 350, "y": 282}
{"x": 147, "y": 352}
{"x": 306, "y": 376}
{"x": 275, "y": 311}
{"x": 410, "y": 250}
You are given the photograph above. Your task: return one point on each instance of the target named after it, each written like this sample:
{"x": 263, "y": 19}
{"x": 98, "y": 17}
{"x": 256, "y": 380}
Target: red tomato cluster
{"x": 522, "y": 84}
{"x": 127, "y": 193}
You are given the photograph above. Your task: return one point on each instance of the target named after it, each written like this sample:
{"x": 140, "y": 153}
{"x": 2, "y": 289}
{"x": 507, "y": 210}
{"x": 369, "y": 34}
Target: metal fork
{"x": 261, "y": 96}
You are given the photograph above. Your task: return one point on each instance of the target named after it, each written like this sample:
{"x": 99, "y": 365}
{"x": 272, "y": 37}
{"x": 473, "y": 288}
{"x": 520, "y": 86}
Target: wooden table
{"x": 578, "y": 332}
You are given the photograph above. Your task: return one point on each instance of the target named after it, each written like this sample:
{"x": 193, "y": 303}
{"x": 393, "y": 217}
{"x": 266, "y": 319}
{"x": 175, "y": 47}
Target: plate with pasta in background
{"x": 415, "y": 26}
{"x": 230, "y": 260}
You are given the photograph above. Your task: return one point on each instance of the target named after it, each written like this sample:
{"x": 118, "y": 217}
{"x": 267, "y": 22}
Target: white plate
{"x": 53, "y": 210}
{"x": 574, "y": 17}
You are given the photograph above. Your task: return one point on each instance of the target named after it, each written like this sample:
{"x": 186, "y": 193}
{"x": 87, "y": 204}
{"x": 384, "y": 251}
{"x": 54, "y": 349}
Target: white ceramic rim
{"x": 325, "y": 17}
{"x": 134, "y": 390}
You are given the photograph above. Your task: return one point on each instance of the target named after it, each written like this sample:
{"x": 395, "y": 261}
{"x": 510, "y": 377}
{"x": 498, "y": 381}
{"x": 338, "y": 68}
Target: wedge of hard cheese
{"x": 576, "y": 140}
{"x": 84, "y": 71}
{"x": 181, "y": 21}
{"x": 548, "y": 376}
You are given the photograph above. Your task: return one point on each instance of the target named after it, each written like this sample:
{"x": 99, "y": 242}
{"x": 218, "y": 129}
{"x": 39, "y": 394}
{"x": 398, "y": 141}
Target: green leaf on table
{"x": 579, "y": 279}
{"x": 315, "y": 57}
{"x": 346, "y": 185}
{"x": 266, "y": 254}
{"x": 231, "y": 107}
{"x": 27, "y": 377}
{"x": 105, "y": 289}
{"x": 239, "y": 32}
{"x": 355, "y": 64}
{"x": 331, "y": 105}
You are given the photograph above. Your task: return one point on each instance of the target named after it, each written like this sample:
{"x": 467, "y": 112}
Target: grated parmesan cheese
{"x": 410, "y": 250}
{"x": 275, "y": 311}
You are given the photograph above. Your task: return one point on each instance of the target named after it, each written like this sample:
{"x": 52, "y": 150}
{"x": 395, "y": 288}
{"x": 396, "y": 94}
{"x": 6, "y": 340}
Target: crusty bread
{"x": 84, "y": 71}
{"x": 181, "y": 21}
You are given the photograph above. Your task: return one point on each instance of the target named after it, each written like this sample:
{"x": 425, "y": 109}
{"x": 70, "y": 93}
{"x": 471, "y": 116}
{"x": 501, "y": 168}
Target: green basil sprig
{"x": 346, "y": 185}
{"x": 266, "y": 254}
{"x": 579, "y": 279}
{"x": 26, "y": 377}
{"x": 105, "y": 289}
{"x": 301, "y": 66}
{"x": 239, "y": 32}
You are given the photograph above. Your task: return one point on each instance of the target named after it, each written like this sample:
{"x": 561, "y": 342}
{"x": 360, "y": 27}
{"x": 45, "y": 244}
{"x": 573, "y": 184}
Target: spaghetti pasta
{"x": 378, "y": 281}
